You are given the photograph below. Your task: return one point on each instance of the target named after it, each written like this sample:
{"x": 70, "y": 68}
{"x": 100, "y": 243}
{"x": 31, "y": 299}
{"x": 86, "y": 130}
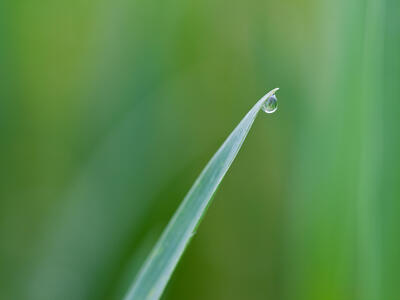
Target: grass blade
{"x": 159, "y": 266}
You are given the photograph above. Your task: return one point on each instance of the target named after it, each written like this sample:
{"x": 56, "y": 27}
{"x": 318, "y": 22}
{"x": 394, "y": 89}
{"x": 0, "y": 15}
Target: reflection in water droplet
{"x": 270, "y": 105}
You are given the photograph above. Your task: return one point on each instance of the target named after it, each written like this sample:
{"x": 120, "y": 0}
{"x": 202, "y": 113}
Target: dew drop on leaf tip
{"x": 270, "y": 105}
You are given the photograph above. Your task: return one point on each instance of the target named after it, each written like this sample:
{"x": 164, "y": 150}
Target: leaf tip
{"x": 272, "y": 92}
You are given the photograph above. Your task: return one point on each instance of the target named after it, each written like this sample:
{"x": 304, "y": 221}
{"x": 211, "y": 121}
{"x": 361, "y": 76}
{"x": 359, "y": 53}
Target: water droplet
{"x": 270, "y": 105}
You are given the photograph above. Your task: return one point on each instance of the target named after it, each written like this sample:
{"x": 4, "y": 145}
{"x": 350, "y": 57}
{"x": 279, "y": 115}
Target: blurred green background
{"x": 110, "y": 109}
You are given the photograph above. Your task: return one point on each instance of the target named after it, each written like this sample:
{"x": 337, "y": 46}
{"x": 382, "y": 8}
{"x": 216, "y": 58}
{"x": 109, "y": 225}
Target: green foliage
{"x": 108, "y": 110}
{"x": 158, "y": 268}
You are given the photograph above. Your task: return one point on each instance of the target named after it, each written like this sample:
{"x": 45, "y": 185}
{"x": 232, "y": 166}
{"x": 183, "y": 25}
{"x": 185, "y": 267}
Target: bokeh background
{"x": 110, "y": 109}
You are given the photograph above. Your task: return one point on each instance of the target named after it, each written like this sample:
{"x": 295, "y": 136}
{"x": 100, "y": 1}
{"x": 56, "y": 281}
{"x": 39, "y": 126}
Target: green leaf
{"x": 159, "y": 266}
